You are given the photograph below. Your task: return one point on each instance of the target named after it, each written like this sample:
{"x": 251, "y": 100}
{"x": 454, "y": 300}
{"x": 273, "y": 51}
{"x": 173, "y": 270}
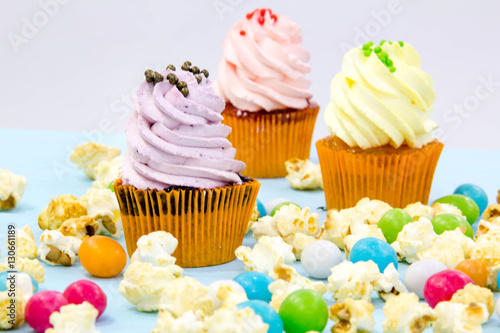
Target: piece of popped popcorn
{"x": 353, "y": 280}
{"x": 451, "y": 248}
{"x": 229, "y": 296}
{"x": 337, "y": 226}
{"x": 488, "y": 251}
{"x": 106, "y": 172}
{"x": 26, "y": 245}
{"x": 235, "y": 320}
{"x": 8, "y": 319}
{"x": 144, "y": 283}
{"x": 388, "y": 285}
{"x": 286, "y": 222}
{"x": 443, "y": 208}
{"x": 360, "y": 231}
{"x": 300, "y": 242}
{"x": 288, "y": 280}
{"x": 472, "y": 293}
{"x": 31, "y": 267}
{"x": 60, "y": 209}
{"x": 304, "y": 174}
{"x": 267, "y": 253}
{"x": 156, "y": 248}
{"x": 80, "y": 227}
{"x": 11, "y": 189}
{"x": 185, "y": 294}
{"x": 404, "y": 314}
{"x": 352, "y": 316}
{"x": 253, "y": 218}
{"x": 90, "y": 154}
{"x": 57, "y": 249}
{"x": 74, "y": 318}
{"x": 485, "y": 227}
{"x": 102, "y": 205}
{"x": 491, "y": 212}
{"x": 415, "y": 237}
{"x": 372, "y": 210}
{"x": 417, "y": 210}
{"x": 187, "y": 323}
{"x": 459, "y": 318}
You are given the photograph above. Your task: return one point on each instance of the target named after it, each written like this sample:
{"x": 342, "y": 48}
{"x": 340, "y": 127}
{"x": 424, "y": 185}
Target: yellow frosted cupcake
{"x": 381, "y": 144}
{"x": 268, "y": 104}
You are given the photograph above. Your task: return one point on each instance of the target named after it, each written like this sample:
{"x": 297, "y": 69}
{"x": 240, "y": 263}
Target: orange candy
{"x": 475, "y": 269}
{"x": 102, "y": 256}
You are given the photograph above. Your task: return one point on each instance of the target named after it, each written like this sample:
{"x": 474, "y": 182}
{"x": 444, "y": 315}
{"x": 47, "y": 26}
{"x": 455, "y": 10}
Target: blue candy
{"x": 261, "y": 208}
{"x": 256, "y": 285}
{"x": 4, "y": 284}
{"x": 476, "y": 193}
{"x": 266, "y": 312}
{"x": 374, "y": 249}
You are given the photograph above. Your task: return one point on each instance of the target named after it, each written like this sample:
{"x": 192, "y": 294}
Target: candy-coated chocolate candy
{"x": 374, "y": 249}
{"x": 392, "y": 222}
{"x": 266, "y": 312}
{"x": 213, "y": 288}
{"x": 319, "y": 257}
{"x": 40, "y": 306}
{"x": 261, "y": 208}
{"x": 475, "y": 269}
{"x": 304, "y": 310}
{"x": 441, "y": 286}
{"x": 476, "y": 193}
{"x": 4, "y": 283}
{"x": 467, "y": 206}
{"x": 498, "y": 279}
{"x": 85, "y": 290}
{"x": 273, "y": 203}
{"x": 444, "y": 222}
{"x": 275, "y": 209}
{"x": 256, "y": 285}
{"x": 417, "y": 274}
{"x": 102, "y": 256}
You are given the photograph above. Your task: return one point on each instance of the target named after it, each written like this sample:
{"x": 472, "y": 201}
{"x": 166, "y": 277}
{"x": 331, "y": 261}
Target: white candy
{"x": 320, "y": 257}
{"x": 213, "y": 288}
{"x": 419, "y": 272}
{"x": 273, "y": 203}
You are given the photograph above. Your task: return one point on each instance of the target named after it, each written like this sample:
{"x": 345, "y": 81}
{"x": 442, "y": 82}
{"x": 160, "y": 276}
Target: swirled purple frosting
{"x": 174, "y": 140}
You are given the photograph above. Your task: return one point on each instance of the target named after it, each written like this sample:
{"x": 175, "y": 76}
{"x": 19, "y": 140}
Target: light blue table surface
{"x": 43, "y": 158}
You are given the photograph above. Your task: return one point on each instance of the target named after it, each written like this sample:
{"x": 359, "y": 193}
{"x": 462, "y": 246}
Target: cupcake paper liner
{"x": 208, "y": 223}
{"x": 265, "y": 140}
{"x": 397, "y": 176}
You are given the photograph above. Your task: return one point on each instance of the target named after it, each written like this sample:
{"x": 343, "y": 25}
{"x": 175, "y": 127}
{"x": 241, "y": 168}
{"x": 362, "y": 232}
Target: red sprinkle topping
{"x": 242, "y": 32}
{"x": 262, "y": 15}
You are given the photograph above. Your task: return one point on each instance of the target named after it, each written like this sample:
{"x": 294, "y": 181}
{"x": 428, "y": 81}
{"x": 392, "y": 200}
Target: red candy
{"x": 441, "y": 286}
{"x": 40, "y": 306}
{"x": 85, "y": 290}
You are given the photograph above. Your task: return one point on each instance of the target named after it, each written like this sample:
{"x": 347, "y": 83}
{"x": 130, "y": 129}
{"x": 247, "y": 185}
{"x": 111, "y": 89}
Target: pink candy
{"x": 85, "y": 290}
{"x": 40, "y": 306}
{"x": 441, "y": 286}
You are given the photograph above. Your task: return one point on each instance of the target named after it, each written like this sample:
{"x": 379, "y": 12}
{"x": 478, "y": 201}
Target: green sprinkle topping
{"x": 377, "y": 49}
{"x": 370, "y": 43}
{"x": 390, "y": 42}
{"x": 382, "y": 42}
{"x": 401, "y": 43}
{"x": 366, "y": 46}
{"x": 392, "y": 69}
{"x": 368, "y": 52}
{"x": 389, "y": 62}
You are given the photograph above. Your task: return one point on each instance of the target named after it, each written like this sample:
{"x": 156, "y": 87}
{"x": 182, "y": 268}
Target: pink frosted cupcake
{"x": 179, "y": 173}
{"x": 268, "y": 104}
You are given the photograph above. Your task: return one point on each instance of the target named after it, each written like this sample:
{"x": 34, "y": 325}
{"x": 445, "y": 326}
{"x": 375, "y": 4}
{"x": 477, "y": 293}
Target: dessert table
{"x": 43, "y": 158}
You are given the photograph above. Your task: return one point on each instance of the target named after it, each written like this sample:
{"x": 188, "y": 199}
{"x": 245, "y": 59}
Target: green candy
{"x": 304, "y": 310}
{"x": 278, "y": 207}
{"x": 377, "y": 49}
{"x": 444, "y": 222}
{"x": 392, "y": 69}
{"x": 392, "y": 223}
{"x": 467, "y": 206}
{"x": 110, "y": 186}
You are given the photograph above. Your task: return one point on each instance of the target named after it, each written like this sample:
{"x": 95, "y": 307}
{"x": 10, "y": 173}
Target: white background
{"x": 79, "y": 66}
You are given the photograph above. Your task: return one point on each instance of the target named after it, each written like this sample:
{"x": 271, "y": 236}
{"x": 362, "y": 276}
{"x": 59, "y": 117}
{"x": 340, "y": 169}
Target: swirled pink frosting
{"x": 174, "y": 140}
{"x": 264, "y": 64}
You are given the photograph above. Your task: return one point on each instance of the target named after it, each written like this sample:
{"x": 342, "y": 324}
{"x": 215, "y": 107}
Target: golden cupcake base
{"x": 398, "y": 176}
{"x": 208, "y": 223}
{"x": 265, "y": 140}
